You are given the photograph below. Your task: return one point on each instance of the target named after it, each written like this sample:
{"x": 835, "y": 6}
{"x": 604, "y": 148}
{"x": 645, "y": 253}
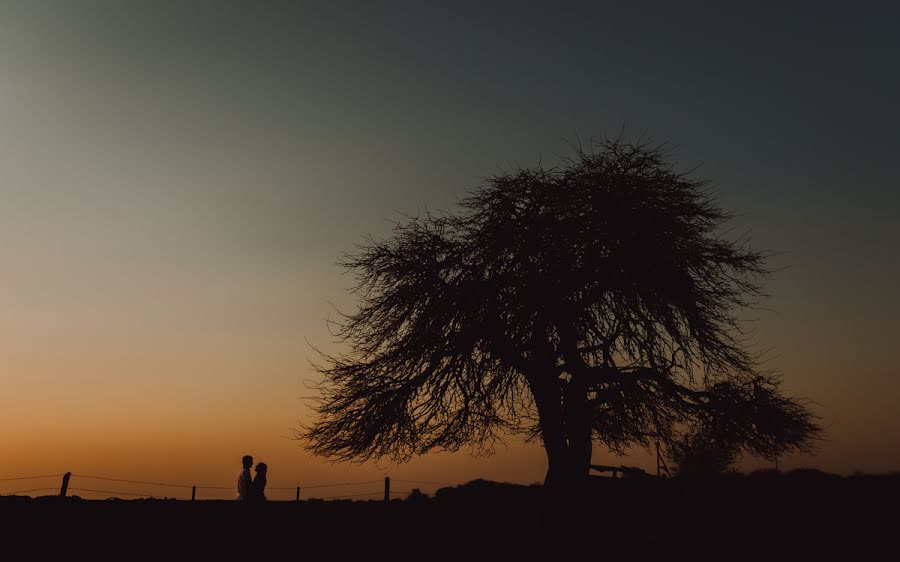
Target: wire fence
{"x": 17, "y": 492}
{"x": 30, "y": 477}
{"x": 81, "y": 484}
{"x": 30, "y": 490}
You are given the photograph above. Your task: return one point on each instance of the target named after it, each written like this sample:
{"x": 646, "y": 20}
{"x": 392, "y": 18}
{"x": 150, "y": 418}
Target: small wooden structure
{"x": 629, "y": 471}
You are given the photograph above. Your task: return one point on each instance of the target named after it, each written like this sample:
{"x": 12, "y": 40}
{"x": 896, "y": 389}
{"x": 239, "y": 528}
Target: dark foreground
{"x": 798, "y": 516}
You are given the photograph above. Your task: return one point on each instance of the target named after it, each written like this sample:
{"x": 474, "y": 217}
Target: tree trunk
{"x": 553, "y": 432}
{"x": 567, "y": 442}
{"x": 578, "y": 430}
{"x": 566, "y": 433}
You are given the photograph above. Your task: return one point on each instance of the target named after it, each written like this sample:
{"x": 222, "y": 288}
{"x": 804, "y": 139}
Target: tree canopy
{"x": 593, "y": 302}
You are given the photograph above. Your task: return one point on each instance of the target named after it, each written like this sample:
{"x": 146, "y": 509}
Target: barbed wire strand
{"x": 113, "y": 492}
{"x": 30, "y": 477}
{"x": 314, "y": 486}
{"x": 349, "y": 496}
{"x": 26, "y": 491}
{"x": 132, "y": 481}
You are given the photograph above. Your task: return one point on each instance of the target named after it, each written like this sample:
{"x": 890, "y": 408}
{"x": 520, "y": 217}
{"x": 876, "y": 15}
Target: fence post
{"x": 298, "y": 493}
{"x": 657, "y": 460}
{"x": 193, "y": 493}
{"x": 387, "y": 488}
{"x": 65, "y": 484}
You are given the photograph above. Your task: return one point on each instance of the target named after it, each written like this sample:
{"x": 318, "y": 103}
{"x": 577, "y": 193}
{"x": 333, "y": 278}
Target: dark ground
{"x": 802, "y": 515}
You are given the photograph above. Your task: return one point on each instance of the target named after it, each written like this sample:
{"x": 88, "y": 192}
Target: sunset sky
{"x": 177, "y": 180}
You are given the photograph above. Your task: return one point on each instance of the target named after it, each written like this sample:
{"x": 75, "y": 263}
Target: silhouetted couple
{"x": 252, "y": 489}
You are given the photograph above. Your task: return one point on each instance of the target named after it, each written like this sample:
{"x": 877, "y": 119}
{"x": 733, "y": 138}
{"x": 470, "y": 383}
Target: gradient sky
{"x": 178, "y": 178}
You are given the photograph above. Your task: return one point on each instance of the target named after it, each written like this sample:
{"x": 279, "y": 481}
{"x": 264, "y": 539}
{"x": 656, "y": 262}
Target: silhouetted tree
{"x": 417, "y": 497}
{"x": 592, "y": 302}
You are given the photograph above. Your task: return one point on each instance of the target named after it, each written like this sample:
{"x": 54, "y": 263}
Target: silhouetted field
{"x": 769, "y": 516}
